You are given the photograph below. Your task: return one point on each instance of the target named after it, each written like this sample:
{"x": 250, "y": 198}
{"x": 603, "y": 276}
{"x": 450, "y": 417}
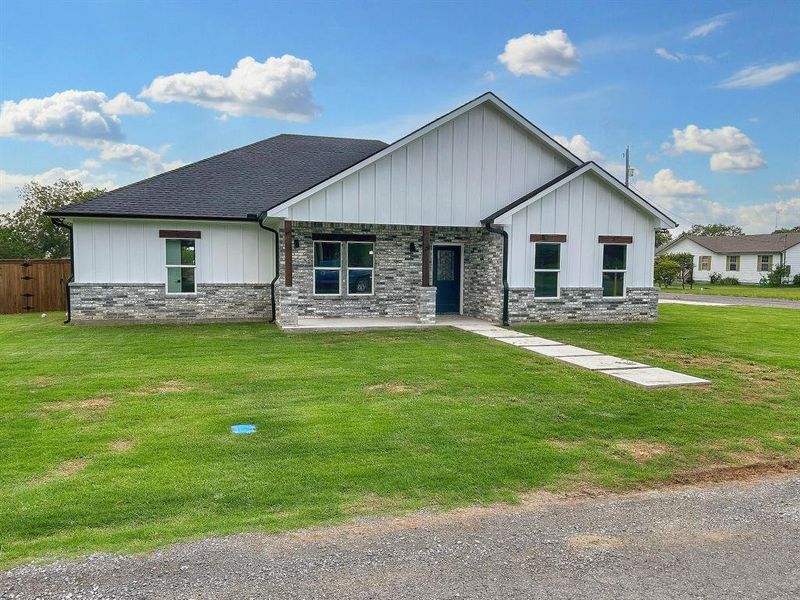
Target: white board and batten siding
{"x": 582, "y": 209}
{"x": 454, "y": 175}
{"x": 131, "y": 251}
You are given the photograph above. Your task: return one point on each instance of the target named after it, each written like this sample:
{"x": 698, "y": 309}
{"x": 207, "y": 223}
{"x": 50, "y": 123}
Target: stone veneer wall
{"x": 398, "y": 272}
{"x": 583, "y": 304}
{"x": 143, "y": 302}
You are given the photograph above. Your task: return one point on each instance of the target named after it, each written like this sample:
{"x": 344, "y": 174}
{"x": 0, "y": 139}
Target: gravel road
{"x": 738, "y": 300}
{"x": 733, "y": 540}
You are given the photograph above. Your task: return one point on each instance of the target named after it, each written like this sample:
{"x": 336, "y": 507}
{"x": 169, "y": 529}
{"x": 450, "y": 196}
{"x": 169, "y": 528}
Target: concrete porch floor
{"x": 366, "y": 323}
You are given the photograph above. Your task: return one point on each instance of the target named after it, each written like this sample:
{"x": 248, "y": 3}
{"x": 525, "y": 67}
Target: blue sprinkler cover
{"x": 238, "y": 429}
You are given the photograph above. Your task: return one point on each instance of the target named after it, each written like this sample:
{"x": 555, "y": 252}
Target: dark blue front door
{"x": 447, "y": 278}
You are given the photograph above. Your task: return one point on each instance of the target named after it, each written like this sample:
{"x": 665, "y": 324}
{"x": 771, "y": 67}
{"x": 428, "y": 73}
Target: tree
{"x": 28, "y": 232}
{"x": 665, "y": 271}
{"x": 715, "y": 229}
{"x": 795, "y": 229}
{"x": 662, "y": 237}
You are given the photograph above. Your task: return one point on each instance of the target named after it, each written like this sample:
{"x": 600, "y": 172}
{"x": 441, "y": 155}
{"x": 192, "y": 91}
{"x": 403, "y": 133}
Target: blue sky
{"x": 705, "y": 93}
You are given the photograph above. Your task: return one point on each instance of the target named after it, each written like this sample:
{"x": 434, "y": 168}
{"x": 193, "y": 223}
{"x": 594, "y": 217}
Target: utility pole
{"x": 627, "y": 166}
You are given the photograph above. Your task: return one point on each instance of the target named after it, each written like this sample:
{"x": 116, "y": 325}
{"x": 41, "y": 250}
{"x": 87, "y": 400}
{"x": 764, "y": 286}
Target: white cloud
{"x": 278, "y": 88}
{"x": 489, "y": 76}
{"x": 10, "y": 183}
{"x": 794, "y": 186}
{"x": 123, "y": 104}
{"x": 680, "y": 56}
{"x": 729, "y": 147}
{"x": 580, "y": 147}
{"x": 91, "y": 163}
{"x": 544, "y": 55}
{"x": 665, "y": 184}
{"x": 753, "y": 218}
{"x": 151, "y": 161}
{"x": 708, "y": 27}
{"x": 760, "y": 76}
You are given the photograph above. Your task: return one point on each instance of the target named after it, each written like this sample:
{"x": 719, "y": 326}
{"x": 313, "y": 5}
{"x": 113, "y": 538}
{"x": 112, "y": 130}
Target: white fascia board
{"x": 282, "y": 209}
{"x": 666, "y": 222}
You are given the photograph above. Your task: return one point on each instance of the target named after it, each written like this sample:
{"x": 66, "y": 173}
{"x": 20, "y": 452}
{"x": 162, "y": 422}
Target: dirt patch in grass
{"x": 758, "y": 374}
{"x": 167, "y": 387}
{"x": 121, "y": 445}
{"x": 643, "y": 451}
{"x": 89, "y": 405}
{"x": 372, "y": 503}
{"x": 747, "y": 472}
{"x": 41, "y": 380}
{"x": 66, "y": 469}
{"x": 564, "y": 444}
{"x": 391, "y": 388}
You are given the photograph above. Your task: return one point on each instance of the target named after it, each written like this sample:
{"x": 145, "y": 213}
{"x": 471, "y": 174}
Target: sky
{"x": 704, "y": 93}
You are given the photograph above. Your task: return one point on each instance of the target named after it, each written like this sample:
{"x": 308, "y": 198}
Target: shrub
{"x": 714, "y": 278}
{"x": 796, "y": 280}
{"x": 777, "y": 276}
{"x": 666, "y": 271}
{"x": 729, "y": 281}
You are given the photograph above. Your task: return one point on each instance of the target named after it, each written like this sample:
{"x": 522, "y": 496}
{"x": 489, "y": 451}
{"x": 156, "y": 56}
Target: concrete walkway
{"x": 625, "y": 370}
{"x": 731, "y": 300}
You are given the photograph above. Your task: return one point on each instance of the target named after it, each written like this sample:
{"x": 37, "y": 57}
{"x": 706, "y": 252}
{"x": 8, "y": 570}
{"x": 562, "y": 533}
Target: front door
{"x": 447, "y": 278}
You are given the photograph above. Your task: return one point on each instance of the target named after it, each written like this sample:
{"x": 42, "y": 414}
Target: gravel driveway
{"x": 734, "y": 540}
{"x": 738, "y": 300}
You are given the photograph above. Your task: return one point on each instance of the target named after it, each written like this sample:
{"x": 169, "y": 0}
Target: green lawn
{"x": 116, "y": 438}
{"x": 746, "y": 291}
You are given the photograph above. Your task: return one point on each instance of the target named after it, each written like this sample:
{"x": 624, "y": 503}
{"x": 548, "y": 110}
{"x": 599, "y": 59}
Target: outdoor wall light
{"x": 413, "y": 247}
{"x": 296, "y": 243}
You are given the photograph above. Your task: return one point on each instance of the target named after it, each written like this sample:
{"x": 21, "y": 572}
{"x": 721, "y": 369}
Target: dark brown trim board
{"x": 179, "y": 233}
{"x": 614, "y": 239}
{"x": 287, "y": 253}
{"x": 342, "y": 237}
{"x": 548, "y": 237}
{"x": 426, "y": 256}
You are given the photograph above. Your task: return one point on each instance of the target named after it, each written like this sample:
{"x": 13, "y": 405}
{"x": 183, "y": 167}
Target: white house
{"x": 748, "y": 258}
{"x": 477, "y": 213}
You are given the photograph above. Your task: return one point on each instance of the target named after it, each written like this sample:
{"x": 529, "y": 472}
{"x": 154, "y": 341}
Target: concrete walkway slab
{"x": 602, "y": 361}
{"x": 654, "y": 377}
{"x": 498, "y": 332}
{"x": 528, "y": 340}
{"x": 560, "y": 350}
{"x": 691, "y": 302}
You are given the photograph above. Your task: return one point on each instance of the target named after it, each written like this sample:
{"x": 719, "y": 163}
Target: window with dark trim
{"x": 180, "y": 264}
{"x": 327, "y": 268}
{"x": 546, "y": 268}
{"x": 765, "y": 262}
{"x": 360, "y": 268}
{"x": 615, "y": 259}
{"x": 733, "y": 263}
{"x": 704, "y": 263}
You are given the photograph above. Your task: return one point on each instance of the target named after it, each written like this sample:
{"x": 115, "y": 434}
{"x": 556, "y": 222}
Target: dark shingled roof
{"x": 234, "y": 184}
{"x": 742, "y": 244}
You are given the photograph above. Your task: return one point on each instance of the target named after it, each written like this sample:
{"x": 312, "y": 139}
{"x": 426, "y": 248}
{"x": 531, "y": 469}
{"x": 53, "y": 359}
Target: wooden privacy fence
{"x": 33, "y": 285}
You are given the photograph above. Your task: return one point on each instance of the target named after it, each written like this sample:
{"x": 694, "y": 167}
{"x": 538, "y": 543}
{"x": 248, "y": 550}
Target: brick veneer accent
{"x": 583, "y": 304}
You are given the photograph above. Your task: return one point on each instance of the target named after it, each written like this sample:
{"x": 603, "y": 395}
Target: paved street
{"x": 773, "y": 302}
{"x": 733, "y": 540}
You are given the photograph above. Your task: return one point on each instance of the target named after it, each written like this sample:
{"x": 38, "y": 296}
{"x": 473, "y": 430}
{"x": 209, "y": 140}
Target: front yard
{"x": 117, "y": 438}
{"x": 744, "y": 291}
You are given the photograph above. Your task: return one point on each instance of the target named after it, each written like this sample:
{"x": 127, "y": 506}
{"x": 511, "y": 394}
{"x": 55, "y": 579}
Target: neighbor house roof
{"x": 504, "y": 213}
{"x": 234, "y": 184}
{"x": 740, "y": 244}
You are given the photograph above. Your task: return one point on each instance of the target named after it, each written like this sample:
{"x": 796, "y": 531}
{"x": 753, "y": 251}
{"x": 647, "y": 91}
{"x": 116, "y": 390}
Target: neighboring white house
{"x": 748, "y": 258}
{"x": 477, "y": 213}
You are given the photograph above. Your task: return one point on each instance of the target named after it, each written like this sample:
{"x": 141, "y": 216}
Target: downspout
{"x": 61, "y": 223}
{"x": 500, "y": 231}
{"x": 260, "y": 220}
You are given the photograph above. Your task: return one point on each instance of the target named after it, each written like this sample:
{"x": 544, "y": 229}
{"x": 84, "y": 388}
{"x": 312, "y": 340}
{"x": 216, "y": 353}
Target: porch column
{"x": 287, "y": 253}
{"x": 426, "y": 256}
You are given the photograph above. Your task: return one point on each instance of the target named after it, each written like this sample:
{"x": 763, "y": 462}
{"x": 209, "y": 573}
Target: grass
{"x": 745, "y": 291}
{"x": 116, "y": 438}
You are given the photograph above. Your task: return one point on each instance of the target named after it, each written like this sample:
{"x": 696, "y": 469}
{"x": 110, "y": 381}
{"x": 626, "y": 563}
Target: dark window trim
{"x": 614, "y": 239}
{"x": 181, "y": 234}
{"x": 548, "y": 237}
{"x": 343, "y": 237}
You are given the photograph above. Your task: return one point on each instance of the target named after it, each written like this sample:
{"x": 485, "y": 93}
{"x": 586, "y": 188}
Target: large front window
{"x": 180, "y": 266}
{"x": 360, "y": 267}
{"x": 615, "y": 258}
{"x": 327, "y": 268}
{"x": 546, "y": 266}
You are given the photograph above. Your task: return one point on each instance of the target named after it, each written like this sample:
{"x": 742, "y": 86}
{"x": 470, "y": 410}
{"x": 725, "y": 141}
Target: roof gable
{"x": 739, "y": 244}
{"x": 487, "y": 99}
{"x": 504, "y": 214}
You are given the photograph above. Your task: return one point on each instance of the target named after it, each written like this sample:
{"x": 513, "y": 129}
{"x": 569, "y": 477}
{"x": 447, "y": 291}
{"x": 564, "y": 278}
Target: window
{"x": 614, "y": 264}
{"x": 704, "y": 263}
{"x": 733, "y": 263}
{"x": 546, "y": 266}
{"x": 180, "y": 266}
{"x": 327, "y": 268}
{"x": 360, "y": 267}
{"x": 765, "y": 262}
